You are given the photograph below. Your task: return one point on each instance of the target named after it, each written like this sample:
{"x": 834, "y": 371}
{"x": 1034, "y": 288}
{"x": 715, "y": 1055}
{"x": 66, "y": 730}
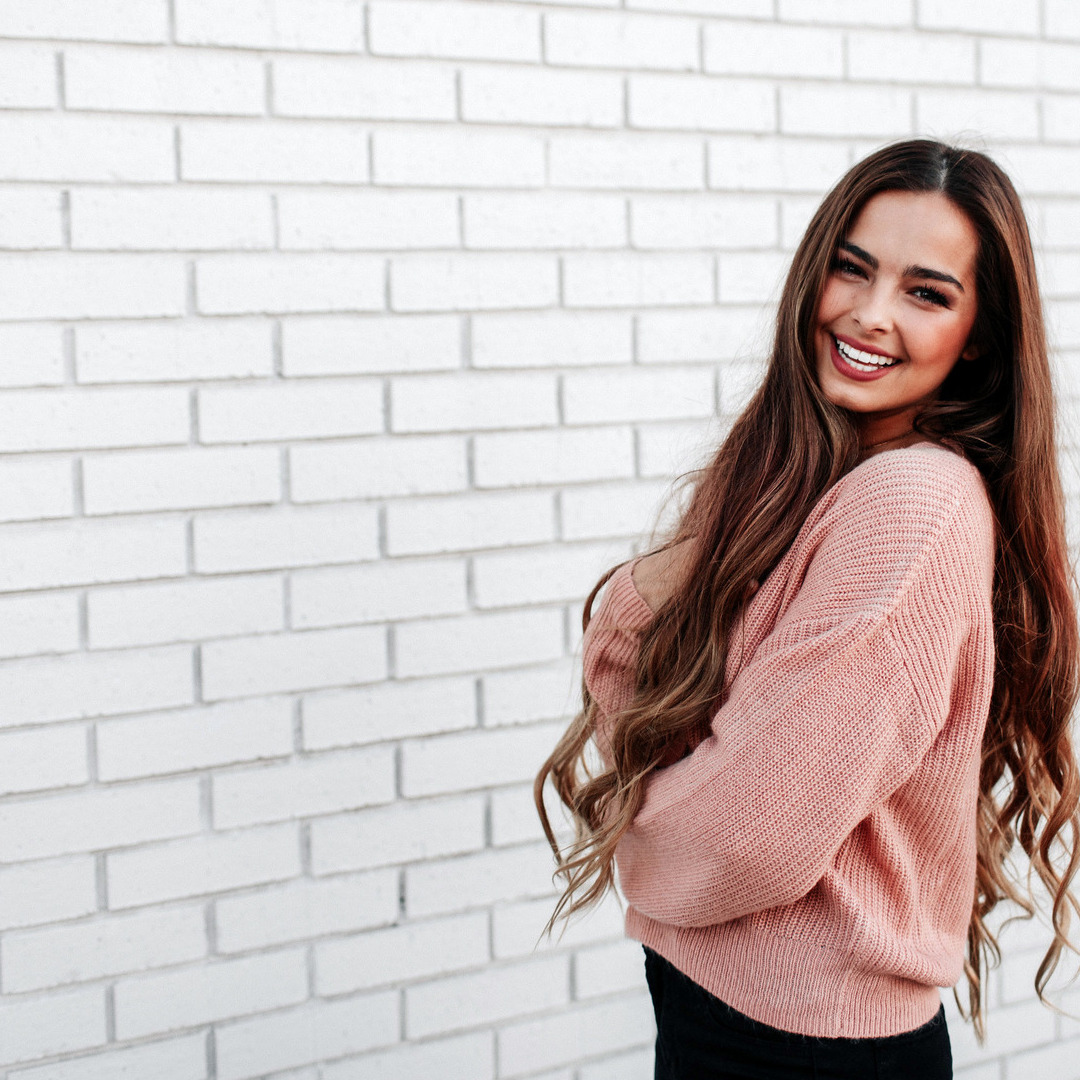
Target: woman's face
{"x": 900, "y": 302}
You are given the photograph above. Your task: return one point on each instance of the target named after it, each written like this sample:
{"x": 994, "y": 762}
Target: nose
{"x": 872, "y": 310}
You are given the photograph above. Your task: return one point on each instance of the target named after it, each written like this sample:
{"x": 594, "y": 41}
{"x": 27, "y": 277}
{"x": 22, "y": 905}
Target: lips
{"x": 852, "y": 350}
{"x": 857, "y": 372}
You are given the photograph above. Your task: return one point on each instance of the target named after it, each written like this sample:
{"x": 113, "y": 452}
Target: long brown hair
{"x": 788, "y": 446}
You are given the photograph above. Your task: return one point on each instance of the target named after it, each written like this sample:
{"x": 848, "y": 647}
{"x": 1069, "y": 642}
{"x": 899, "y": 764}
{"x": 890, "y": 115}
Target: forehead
{"x": 902, "y": 228}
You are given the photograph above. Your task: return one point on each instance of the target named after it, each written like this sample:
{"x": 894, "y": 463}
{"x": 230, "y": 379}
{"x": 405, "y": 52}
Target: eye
{"x": 845, "y": 266}
{"x": 924, "y": 292}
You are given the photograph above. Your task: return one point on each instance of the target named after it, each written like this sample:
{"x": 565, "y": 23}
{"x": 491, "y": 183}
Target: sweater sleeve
{"x": 829, "y": 716}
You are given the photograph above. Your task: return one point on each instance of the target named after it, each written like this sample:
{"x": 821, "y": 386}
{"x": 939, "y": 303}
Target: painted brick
{"x": 1027, "y": 64}
{"x": 476, "y": 880}
{"x": 651, "y": 42}
{"x": 119, "y": 20}
{"x": 553, "y": 457}
{"x": 516, "y": 927}
{"x": 635, "y": 160}
{"x": 69, "y": 419}
{"x": 397, "y": 709}
{"x": 148, "y": 1004}
{"x": 752, "y": 277}
{"x": 995, "y": 115}
{"x": 61, "y": 1023}
{"x": 703, "y": 221}
{"x": 176, "y": 351}
{"x": 317, "y": 1031}
{"x": 416, "y": 950}
{"x": 1011, "y": 17}
{"x": 302, "y": 909}
{"x": 1010, "y": 1030}
{"x": 540, "y": 693}
{"x": 1062, "y": 20}
{"x": 856, "y": 12}
{"x": 174, "y": 81}
{"x": 487, "y": 997}
{"x": 276, "y": 663}
{"x": 284, "y": 536}
{"x": 473, "y": 642}
{"x": 347, "y": 345}
{"x": 113, "y": 945}
{"x": 698, "y": 103}
{"x": 188, "y": 739}
{"x": 744, "y": 164}
{"x": 458, "y": 31}
{"x": 635, "y": 280}
{"x": 471, "y": 401}
{"x": 278, "y": 411}
{"x": 457, "y": 158}
{"x": 461, "y": 1057}
{"x": 537, "y": 96}
{"x": 268, "y": 151}
{"x": 325, "y": 784}
{"x": 609, "y": 969}
{"x": 380, "y": 592}
{"x": 472, "y": 281}
{"x": 359, "y": 220}
{"x": 45, "y": 556}
{"x": 1039, "y": 170}
{"x": 185, "y": 611}
{"x": 585, "y": 1031}
{"x": 845, "y": 110}
{"x": 31, "y": 355}
{"x": 77, "y": 685}
{"x": 42, "y": 758}
{"x": 1060, "y": 116}
{"x": 362, "y": 88}
{"x": 400, "y": 832}
{"x": 179, "y": 479}
{"x": 727, "y": 8}
{"x": 475, "y": 759}
{"x": 68, "y": 286}
{"x": 639, "y": 394}
{"x": 203, "y": 864}
{"x": 763, "y": 49}
{"x": 514, "y": 819}
{"x": 95, "y": 148}
{"x": 35, "y": 488}
{"x": 375, "y": 467}
{"x": 632, "y": 1065}
{"x": 667, "y": 450}
{"x": 610, "y": 510}
{"x": 796, "y": 212}
{"x": 886, "y": 56}
{"x": 30, "y": 219}
{"x": 538, "y": 576}
{"x": 47, "y": 623}
{"x": 168, "y": 1059}
{"x": 708, "y": 334}
{"x": 95, "y": 819}
{"x": 163, "y": 219}
{"x": 316, "y": 25}
{"x": 551, "y": 339}
{"x": 27, "y": 77}
{"x": 236, "y": 285}
{"x": 553, "y": 220}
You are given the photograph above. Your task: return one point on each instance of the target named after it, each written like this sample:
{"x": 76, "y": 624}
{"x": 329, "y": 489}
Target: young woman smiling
{"x": 833, "y": 702}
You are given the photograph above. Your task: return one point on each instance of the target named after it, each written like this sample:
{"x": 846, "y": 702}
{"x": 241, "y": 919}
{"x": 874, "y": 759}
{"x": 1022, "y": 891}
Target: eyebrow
{"x": 910, "y": 271}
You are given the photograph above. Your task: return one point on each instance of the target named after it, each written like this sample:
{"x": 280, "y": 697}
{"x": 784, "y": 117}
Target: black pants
{"x": 700, "y": 1037}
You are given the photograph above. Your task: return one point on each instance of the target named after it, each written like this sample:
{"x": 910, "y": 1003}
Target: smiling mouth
{"x": 863, "y": 361}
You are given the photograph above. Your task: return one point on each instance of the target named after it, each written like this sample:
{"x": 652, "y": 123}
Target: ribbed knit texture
{"x": 812, "y": 862}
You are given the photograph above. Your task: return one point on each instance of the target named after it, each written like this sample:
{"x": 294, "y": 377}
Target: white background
{"x": 342, "y": 347}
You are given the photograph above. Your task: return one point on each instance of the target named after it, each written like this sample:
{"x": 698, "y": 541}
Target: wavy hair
{"x": 783, "y": 452}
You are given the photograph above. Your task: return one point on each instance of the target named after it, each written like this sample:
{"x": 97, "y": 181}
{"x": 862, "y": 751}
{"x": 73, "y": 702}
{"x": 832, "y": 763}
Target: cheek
{"x": 835, "y": 300}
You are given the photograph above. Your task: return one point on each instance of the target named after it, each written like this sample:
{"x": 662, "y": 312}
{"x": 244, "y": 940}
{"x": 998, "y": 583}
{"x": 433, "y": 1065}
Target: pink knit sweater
{"x": 812, "y": 862}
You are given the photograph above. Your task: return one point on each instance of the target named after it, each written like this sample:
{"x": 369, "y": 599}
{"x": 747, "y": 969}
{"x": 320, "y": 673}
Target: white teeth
{"x": 863, "y": 360}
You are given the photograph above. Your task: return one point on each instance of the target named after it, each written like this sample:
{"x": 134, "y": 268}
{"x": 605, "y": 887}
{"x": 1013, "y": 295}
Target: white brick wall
{"x": 343, "y": 343}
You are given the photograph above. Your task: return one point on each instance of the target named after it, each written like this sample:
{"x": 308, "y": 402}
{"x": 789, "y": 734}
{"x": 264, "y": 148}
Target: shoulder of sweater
{"x": 922, "y": 485}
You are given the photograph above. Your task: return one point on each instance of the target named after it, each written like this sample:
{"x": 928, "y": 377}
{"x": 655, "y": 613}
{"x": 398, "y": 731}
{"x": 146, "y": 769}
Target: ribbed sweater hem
{"x": 788, "y": 984}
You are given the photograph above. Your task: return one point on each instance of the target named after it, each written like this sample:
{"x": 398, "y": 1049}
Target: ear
{"x": 970, "y": 353}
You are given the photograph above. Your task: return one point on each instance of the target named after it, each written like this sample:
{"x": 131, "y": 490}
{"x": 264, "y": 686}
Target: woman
{"x": 829, "y": 705}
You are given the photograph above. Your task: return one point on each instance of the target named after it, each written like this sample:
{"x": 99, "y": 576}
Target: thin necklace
{"x": 870, "y": 446}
